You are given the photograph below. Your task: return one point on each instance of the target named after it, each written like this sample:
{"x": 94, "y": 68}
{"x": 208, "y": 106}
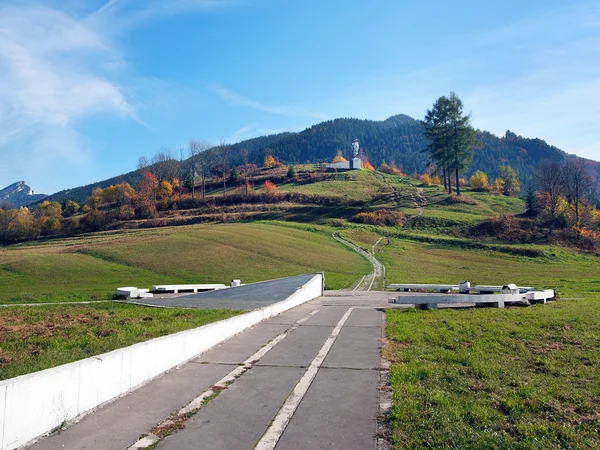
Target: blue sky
{"x": 89, "y": 86}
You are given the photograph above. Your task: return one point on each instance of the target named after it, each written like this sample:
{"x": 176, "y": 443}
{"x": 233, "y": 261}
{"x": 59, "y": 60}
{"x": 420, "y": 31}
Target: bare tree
{"x": 244, "y": 155}
{"x": 193, "y": 149}
{"x": 578, "y": 184}
{"x": 223, "y": 151}
{"x": 551, "y": 181}
{"x": 8, "y": 215}
{"x": 164, "y": 165}
{"x": 200, "y": 162}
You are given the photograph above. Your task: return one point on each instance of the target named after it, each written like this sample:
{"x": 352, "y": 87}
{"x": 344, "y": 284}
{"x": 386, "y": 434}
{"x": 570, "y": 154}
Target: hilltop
{"x": 20, "y": 194}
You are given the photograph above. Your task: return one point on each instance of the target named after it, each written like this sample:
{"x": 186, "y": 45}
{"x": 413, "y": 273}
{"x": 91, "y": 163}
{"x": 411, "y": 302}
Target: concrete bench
{"x": 133, "y": 292}
{"x": 483, "y": 289}
{"x": 539, "y": 296}
{"x": 431, "y": 301}
{"x": 178, "y": 288}
{"x": 443, "y": 288}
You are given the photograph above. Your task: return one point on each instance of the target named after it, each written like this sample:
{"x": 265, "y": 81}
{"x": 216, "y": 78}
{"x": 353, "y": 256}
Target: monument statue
{"x": 355, "y": 147}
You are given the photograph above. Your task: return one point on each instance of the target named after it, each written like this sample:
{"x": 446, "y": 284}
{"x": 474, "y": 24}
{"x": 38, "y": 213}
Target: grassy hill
{"x": 91, "y": 267}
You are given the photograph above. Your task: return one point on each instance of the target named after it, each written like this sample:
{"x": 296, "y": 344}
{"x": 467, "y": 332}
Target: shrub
{"x": 380, "y": 217}
{"x": 367, "y": 165}
{"x": 426, "y": 179}
{"x": 268, "y": 186}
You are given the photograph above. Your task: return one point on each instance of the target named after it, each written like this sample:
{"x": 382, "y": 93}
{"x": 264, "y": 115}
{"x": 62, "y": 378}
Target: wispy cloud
{"x": 124, "y": 14}
{"x": 51, "y": 81}
{"x": 233, "y": 98}
{"x": 254, "y": 130}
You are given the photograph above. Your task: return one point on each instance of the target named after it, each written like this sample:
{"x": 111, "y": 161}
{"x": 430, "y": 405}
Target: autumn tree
{"x": 49, "y": 209}
{"x": 339, "y": 157}
{"x": 147, "y": 193}
{"x": 71, "y": 208}
{"x": 579, "y": 185}
{"x": 7, "y": 217}
{"x": 200, "y": 163}
{"x": 164, "y": 165}
{"x": 125, "y": 194}
{"x": 510, "y": 181}
{"x": 269, "y": 162}
{"x": 550, "y": 181}
{"x": 23, "y": 227}
{"x": 479, "y": 180}
{"x": 245, "y": 169}
{"x": 164, "y": 193}
{"x": 223, "y": 153}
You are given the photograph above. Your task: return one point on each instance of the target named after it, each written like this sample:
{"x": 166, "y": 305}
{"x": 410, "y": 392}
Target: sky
{"x": 90, "y": 86}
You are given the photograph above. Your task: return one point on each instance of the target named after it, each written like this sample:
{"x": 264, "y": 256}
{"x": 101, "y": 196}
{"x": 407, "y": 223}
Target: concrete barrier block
{"x": 2, "y": 413}
{"x": 39, "y": 403}
{"x": 100, "y": 379}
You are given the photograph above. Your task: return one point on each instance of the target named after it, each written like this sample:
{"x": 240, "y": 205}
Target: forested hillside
{"x": 398, "y": 140}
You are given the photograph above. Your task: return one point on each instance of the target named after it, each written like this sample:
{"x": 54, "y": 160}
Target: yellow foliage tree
{"x": 49, "y": 209}
{"x": 479, "y": 180}
{"x": 110, "y": 194}
{"x": 339, "y": 158}
{"x": 269, "y": 162}
{"x": 426, "y": 179}
{"x": 165, "y": 191}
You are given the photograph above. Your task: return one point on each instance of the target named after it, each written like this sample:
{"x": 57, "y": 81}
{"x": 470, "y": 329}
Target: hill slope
{"x": 398, "y": 139}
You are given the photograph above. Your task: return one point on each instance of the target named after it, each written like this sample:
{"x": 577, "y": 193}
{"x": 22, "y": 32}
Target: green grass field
{"x": 93, "y": 266}
{"x": 33, "y": 338}
{"x": 518, "y": 378}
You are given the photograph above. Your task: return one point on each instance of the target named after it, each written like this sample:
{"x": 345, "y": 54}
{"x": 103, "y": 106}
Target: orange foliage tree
{"x": 367, "y": 165}
{"x": 269, "y": 162}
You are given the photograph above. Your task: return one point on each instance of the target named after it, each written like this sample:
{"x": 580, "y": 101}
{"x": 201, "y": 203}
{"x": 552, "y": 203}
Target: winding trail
{"x": 377, "y": 276}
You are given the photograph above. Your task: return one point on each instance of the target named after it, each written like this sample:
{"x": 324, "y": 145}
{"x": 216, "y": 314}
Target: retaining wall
{"x": 34, "y": 404}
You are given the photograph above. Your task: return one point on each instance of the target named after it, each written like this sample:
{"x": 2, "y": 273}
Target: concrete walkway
{"x": 306, "y": 379}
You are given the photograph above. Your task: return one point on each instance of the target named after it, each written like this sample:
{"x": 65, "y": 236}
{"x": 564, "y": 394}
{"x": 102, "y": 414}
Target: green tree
{"x": 462, "y": 139}
{"x": 235, "y": 175}
{"x": 510, "y": 181}
{"x": 451, "y": 138}
{"x": 71, "y": 208}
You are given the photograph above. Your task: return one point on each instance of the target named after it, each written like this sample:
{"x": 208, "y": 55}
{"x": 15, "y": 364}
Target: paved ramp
{"x": 246, "y": 297}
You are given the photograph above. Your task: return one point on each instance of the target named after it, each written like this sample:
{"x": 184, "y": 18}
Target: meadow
{"x": 91, "y": 267}
{"x": 519, "y": 378}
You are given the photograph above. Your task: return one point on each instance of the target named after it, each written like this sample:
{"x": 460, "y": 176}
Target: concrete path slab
{"x": 338, "y": 412}
{"x": 355, "y": 348}
{"x": 240, "y": 347}
{"x": 237, "y": 418}
{"x": 299, "y": 349}
{"x": 366, "y": 318}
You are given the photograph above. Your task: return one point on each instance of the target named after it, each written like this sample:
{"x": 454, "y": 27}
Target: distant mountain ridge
{"x": 398, "y": 139}
{"x": 20, "y": 194}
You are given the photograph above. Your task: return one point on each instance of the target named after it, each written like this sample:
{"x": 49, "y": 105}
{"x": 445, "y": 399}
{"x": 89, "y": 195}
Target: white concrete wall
{"x": 34, "y": 404}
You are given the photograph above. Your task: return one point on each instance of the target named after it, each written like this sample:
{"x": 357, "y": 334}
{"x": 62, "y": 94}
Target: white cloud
{"x": 52, "y": 80}
{"x": 233, "y": 98}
